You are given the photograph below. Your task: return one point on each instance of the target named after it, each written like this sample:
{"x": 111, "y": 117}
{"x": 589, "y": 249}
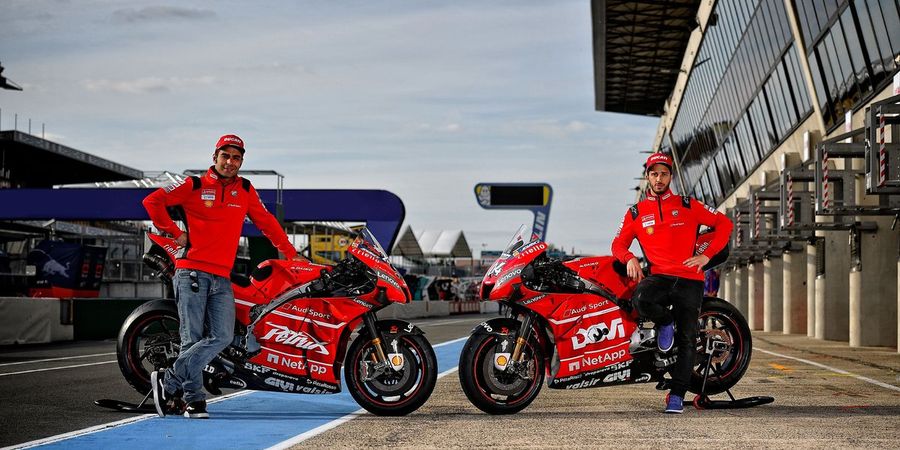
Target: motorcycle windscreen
{"x": 591, "y": 334}
{"x": 302, "y": 337}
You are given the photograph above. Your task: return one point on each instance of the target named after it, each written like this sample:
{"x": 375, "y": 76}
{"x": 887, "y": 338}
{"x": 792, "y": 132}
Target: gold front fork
{"x": 524, "y": 331}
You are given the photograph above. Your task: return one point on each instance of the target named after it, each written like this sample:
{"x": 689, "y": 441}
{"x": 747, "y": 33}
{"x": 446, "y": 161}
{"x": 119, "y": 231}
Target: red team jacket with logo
{"x": 213, "y": 209}
{"x": 666, "y": 227}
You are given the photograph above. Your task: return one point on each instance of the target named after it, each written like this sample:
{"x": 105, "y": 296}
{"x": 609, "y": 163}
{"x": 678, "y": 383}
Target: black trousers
{"x": 652, "y": 299}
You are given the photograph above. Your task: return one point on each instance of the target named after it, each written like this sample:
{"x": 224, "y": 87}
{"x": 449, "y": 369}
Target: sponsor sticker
{"x": 598, "y": 333}
{"x": 208, "y": 194}
{"x": 174, "y": 186}
{"x": 299, "y": 339}
{"x": 648, "y": 223}
{"x": 593, "y": 361}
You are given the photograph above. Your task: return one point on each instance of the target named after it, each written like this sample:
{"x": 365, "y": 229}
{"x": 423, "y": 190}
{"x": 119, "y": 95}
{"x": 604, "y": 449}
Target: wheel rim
{"x": 404, "y": 384}
{"x": 721, "y": 327}
{"x": 153, "y": 345}
{"x": 491, "y": 383}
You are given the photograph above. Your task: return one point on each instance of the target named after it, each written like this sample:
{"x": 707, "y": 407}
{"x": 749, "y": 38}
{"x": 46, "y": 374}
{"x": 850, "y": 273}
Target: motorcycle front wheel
{"x": 391, "y": 392}
{"x": 721, "y": 321}
{"x": 492, "y": 390}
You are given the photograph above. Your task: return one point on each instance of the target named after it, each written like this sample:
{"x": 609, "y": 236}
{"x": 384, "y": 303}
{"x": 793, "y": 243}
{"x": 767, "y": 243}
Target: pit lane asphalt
{"x": 42, "y": 395}
{"x": 814, "y": 407}
{"x": 818, "y": 405}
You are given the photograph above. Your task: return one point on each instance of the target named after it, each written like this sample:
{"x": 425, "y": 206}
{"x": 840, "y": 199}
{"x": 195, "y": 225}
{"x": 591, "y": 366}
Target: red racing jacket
{"x": 213, "y": 209}
{"x": 666, "y": 227}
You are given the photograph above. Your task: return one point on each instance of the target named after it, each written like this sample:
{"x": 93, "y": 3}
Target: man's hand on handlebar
{"x": 699, "y": 261}
{"x": 634, "y": 270}
{"x": 182, "y": 240}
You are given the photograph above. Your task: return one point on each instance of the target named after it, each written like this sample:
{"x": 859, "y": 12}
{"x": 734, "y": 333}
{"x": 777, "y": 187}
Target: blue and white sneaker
{"x": 674, "y": 404}
{"x": 666, "y": 338}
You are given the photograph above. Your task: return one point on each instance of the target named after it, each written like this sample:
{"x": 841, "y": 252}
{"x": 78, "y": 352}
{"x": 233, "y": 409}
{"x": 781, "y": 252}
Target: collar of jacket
{"x": 665, "y": 195}
{"x": 214, "y": 175}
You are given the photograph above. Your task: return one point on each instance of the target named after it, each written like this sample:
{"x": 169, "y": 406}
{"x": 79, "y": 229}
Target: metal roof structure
{"x": 638, "y": 50}
{"x": 31, "y": 162}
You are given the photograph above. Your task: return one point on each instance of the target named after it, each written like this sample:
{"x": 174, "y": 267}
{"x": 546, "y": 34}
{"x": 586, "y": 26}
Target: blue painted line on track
{"x": 256, "y": 420}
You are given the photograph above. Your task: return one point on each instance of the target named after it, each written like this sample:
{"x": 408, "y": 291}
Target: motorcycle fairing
{"x": 302, "y": 337}
{"x": 590, "y": 332}
{"x": 368, "y": 250}
{"x": 601, "y": 271}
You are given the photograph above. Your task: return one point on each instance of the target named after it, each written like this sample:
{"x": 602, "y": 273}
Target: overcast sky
{"x": 424, "y": 99}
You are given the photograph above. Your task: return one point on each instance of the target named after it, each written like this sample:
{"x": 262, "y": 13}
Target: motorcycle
{"x": 293, "y": 322}
{"x": 573, "y": 322}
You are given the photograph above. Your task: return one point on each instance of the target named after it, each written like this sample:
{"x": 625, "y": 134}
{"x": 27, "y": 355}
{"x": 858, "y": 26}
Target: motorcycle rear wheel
{"x": 148, "y": 341}
{"x": 722, "y": 321}
{"x": 392, "y": 393}
{"x": 491, "y": 390}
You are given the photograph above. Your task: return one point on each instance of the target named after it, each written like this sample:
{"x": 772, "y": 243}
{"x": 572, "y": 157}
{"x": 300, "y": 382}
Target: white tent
{"x": 444, "y": 244}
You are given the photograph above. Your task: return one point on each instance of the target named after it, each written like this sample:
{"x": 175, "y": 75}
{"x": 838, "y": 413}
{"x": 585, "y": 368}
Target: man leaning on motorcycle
{"x": 213, "y": 206}
{"x": 666, "y": 227}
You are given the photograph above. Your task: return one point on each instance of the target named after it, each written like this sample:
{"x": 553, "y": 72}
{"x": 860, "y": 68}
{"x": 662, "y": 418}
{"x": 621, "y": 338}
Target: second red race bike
{"x": 572, "y": 322}
{"x": 294, "y": 321}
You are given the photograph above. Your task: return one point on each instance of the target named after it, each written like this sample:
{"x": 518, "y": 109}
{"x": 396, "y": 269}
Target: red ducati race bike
{"x": 294, "y": 320}
{"x": 572, "y": 321}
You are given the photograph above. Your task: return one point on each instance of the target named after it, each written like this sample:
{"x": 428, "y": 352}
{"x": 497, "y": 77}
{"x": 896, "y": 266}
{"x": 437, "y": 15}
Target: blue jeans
{"x": 206, "y": 314}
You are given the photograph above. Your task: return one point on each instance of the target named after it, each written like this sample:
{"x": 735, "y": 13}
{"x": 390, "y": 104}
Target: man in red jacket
{"x": 213, "y": 208}
{"x": 666, "y": 227}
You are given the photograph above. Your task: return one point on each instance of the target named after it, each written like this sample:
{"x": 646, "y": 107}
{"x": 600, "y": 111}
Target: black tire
{"x": 492, "y": 391}
{"x": 393, "y": 393}
{"x": 148, "y": 341}
{"x": 724, "y": 322}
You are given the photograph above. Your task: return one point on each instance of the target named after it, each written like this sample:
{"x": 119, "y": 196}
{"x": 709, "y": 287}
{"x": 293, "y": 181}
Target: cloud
{"x": 160, "y": 13}
{"x": 550, "y": 128}
{"x": 147, "y": 85}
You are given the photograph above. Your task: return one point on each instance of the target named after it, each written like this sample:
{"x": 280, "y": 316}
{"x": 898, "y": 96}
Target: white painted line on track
{"x": 448, "y": 343}
{"x": 835, "y": 370}
{"x": 56, "y": 359}
{"x": 445, "y": 322}
{"x": 55, "y": 368}
{"x": 106, "y": 426}
{"x": 340, "y": 421}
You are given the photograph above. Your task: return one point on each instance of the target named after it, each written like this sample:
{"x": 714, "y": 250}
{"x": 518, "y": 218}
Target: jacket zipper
{"x": 659, "y": 204}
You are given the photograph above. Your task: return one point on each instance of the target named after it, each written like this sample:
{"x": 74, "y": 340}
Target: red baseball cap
{"x": 231, "y": 140}
{"x": 658, "y": 158}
